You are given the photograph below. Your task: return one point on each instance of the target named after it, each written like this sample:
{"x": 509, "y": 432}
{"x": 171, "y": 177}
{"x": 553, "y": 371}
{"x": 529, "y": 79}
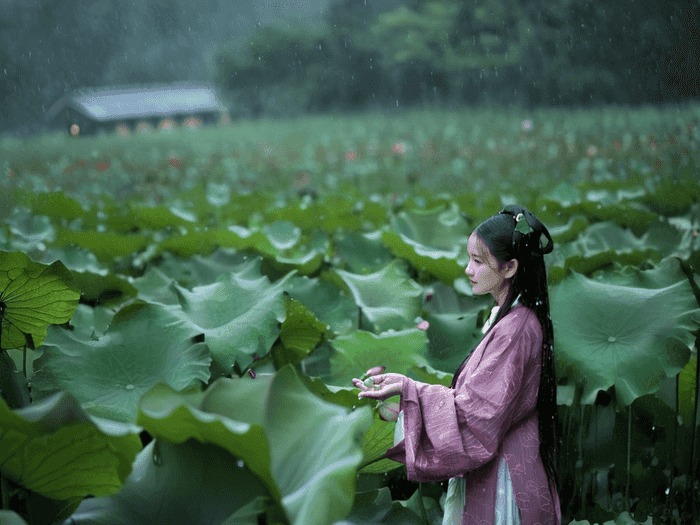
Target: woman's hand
{"x": 380, "y": 386}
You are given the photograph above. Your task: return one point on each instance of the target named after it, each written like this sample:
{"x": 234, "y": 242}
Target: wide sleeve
{"x": 450, "y": 431}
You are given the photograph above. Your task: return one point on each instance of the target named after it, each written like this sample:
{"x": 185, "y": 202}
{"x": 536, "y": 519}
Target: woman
{"x": 493, "y": 432}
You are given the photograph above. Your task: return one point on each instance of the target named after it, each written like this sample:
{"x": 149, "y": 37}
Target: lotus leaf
{"x": 238, "y": 315}
{"x": 626, "y": 336}
{"x": 32, "y": 296}
{"x": 108, "y": 375}
{"x": 388, "y": 298}
{"x": 55, "y": 448}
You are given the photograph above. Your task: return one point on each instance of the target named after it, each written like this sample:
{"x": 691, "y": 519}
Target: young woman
{"x": 493, "y": 432}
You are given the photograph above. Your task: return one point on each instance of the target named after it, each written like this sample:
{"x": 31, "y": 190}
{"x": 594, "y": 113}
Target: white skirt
{"x": 507, "y": 512}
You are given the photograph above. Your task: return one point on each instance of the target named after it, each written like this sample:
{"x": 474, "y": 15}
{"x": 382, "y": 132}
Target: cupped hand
{"x": 380, "y": 386}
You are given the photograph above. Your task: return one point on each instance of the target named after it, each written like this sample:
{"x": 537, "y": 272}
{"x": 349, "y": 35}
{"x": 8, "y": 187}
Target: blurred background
{"x": 283, "y": 59}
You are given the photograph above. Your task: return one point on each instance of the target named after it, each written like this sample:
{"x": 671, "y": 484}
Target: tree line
{"x": 446, "y": 52}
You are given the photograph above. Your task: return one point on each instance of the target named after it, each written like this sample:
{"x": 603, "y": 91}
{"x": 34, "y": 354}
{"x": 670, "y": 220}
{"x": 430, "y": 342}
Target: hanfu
{"x": 483, "y": 435}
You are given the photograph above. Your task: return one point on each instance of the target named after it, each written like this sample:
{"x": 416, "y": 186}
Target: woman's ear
{"x": 511, "y": 268}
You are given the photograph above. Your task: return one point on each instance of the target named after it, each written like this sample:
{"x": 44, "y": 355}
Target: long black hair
{"x": 505, "y": 243}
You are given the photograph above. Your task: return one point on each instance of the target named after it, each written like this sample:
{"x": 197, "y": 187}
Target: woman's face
{"x": 483, "y": 271}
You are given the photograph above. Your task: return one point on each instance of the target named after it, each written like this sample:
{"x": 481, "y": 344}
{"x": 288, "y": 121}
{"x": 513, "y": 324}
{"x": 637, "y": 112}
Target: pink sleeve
{"x": 450, "y": 431}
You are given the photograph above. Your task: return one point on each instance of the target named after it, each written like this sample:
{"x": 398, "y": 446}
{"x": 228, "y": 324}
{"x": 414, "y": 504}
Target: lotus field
{"x": 182, "y": 313}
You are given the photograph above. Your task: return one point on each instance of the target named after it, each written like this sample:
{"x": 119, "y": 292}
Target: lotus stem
{"x": 420, "y": 499}
{"x": 5, "y": 490}
{"x": 629, "y": 449}
{"x": 691, "y": 484}
{"x": 24, "y": 360}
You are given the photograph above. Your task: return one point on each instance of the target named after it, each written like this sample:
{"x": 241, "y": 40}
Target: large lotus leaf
{"x": 55, "y": 448}
{"x": 142, "y": 346}
{"x": 199, "y": 241}
{"x": 29, "y": 231}
{"x": 197, "y": 270}
{"x": 303, "y": 261}
{"x": 569, "y": 231}
{"x": 626, "y": 336}
{"x": 154, "y": 286}
{"x": 52, "y": 204}
{"x": 239, "y": 315}
{"x": 358, "y": 352}
{"x": 192, "y": 482}
{"x": 438, "y": 227}
{"x": 362, "y": 252}
{"x": 312, "y": 464}
{"x": 452, "y": 338}
{"x": 283, "y": 235}
{"x": 630, "y": 214}
{"x": 327, "y": 302}
{"x": 105, "y": 245}
{"x": 376, "y": 441}
{"x": 674, "y": 195}
{"x": 301, "y": 332}
{"x": 98, "y": 285}
{"x": 686, "y": 391}
{"x": 157, "y": 218}
{"x": 389, "y": 298}
{"x": 429, "y": 239}
{"x": 599, "y": 246}
{"x": 563, "y": 196}
{"x": 33, "y": 296}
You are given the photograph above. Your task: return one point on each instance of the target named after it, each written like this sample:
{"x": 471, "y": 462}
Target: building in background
{"x": 127, "y": 109}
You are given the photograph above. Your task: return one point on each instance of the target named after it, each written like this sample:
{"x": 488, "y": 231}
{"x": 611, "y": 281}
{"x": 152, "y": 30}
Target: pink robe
{"x": 490, "y": 414}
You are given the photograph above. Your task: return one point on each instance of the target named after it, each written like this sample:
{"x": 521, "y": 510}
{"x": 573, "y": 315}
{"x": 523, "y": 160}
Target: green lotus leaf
{"x": 29, "y": 231}
{"x": 301, "y": 332}
{"x": 55, "y": 448}
{"x": 388, "y": 298}
{"x": 283, "y": 235}
{"x": 98, "y": 285}
{"x": 33, "y": 296}
{"x": 306, "y": 263}
{"x": 570, "y": 231}
{"x": 686, "y": 391}
{"x": 157, "y": 218}
{"x": 197, "y": 270}
{"x": 428, "y": 374}
{"x": 563, "y": 196}
{"x": 630, "y": 214}
{"x": 674, "y": 195}
{"x": 358, "y": 352}
{"x": 306, "y": 463}
{"x": 376, "y": 441}
{"x": 429, "y": 239}
{"x": 629, "y": 337}
{"x": 315, "y": 465}
{"x": 239, "y": 314}
{"x": 108, "y": 375}
{"x": 370, "y": 506}
{"x": 329, "y": 304}
{"x": 599, "y": 246}
{"x": 55, "y": 204}
{"x": 105, "y": 245}
{"x": 154, "y": 286}
{"x": 362, "y": 252}
{"x": 198, "y": 241}
{"x": 191, "y": 482}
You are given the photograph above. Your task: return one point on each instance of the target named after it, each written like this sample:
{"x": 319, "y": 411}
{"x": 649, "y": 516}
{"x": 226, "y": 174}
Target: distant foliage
{"x": 567, "y": 52}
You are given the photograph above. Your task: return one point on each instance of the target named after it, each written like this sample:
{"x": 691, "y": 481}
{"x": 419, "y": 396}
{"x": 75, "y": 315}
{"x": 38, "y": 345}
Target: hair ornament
{"x": 522, "y": 225}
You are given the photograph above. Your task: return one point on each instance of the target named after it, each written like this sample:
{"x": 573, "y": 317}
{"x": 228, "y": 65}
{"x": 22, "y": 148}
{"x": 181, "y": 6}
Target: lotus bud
{"x": 368, "y": 382}
{"x": 252, "y": 374}
{"x": 389, "y": 410}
